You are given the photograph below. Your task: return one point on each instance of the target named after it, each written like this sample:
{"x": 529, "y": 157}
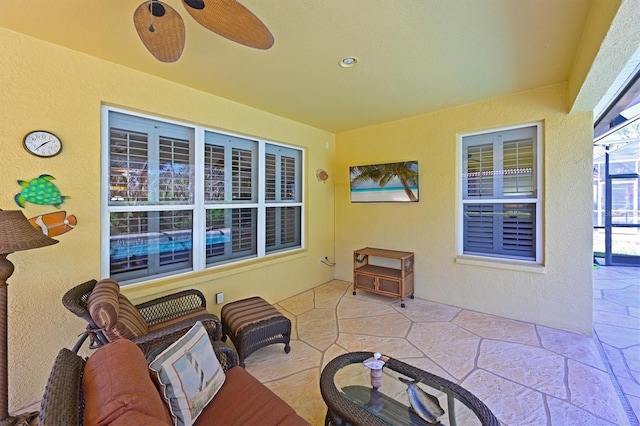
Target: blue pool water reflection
{"x": 141, "y": 245}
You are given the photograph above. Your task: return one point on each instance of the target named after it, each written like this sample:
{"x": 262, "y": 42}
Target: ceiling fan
{"x": 162, "y": 32}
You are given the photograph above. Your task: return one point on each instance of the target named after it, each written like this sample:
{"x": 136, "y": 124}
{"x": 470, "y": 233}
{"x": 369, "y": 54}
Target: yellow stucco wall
{"x": 558, "y": 294}
{"x": 43, "y": 86}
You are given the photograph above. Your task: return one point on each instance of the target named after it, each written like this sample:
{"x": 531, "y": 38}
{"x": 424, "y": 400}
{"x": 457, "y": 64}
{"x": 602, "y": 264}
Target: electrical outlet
{"x": 219, "y": 298}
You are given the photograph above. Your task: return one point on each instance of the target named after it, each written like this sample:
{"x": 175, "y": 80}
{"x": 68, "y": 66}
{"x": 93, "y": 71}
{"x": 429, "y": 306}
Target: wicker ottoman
{"x": 253, "y": 324}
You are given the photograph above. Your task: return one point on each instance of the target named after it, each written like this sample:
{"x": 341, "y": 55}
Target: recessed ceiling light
{"x": 348, "y": 62}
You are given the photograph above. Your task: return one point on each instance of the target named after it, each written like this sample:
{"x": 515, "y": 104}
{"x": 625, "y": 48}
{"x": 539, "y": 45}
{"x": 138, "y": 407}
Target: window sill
{"x": 513, "y": 265}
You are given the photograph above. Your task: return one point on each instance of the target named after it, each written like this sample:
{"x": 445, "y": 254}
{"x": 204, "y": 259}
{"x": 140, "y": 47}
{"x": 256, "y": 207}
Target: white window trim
{"x": 199, "y": 262}
{"x": 500, "y": 262}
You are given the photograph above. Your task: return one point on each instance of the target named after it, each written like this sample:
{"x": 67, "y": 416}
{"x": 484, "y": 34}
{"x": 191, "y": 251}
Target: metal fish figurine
{"x": 424, "y": 404}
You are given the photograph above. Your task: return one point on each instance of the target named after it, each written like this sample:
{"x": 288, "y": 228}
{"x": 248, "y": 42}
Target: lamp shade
{"x": 16, "y": 233}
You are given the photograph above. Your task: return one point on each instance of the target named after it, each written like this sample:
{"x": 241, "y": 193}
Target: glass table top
{"x": 390, "y": 402}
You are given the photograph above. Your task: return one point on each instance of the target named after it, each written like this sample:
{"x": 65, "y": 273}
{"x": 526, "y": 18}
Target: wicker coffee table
{"x": 346, "y": 389}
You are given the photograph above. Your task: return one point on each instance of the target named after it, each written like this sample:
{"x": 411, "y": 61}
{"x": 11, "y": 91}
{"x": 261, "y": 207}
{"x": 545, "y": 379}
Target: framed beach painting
{"x": 382, "y": 183}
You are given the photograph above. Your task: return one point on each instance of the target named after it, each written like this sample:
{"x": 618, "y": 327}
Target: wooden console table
{"x": 388, "y": 281}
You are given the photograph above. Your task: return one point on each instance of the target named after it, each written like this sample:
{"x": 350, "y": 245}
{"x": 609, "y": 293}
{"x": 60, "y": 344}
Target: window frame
{"x": 199, "y": 205}
{"x": 537, "y": 200}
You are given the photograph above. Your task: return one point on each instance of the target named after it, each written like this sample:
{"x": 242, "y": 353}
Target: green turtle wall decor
{"x": 40, "y": 191}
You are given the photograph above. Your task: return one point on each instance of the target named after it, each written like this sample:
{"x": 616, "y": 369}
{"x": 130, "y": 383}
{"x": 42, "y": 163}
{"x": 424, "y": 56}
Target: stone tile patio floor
{"x": 526, "y": 374}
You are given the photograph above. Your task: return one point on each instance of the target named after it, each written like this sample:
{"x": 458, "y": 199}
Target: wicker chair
{"x": 189, "y": 304}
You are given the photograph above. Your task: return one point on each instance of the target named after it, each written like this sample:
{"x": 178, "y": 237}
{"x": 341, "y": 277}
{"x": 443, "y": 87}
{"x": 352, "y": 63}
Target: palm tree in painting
{"x": 382, "y": 174}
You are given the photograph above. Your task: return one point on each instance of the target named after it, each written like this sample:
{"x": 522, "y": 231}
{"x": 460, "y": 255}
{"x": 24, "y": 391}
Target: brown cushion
{"x": 243, "y": 400}
{"x": 245, "y": 312}
{"x": 136, "y": 418}
{"x": 103, "y": 303}
{"x": 130, "y": 322}
{"x": 116, "y": 380}
{"x": 114, "y": 313}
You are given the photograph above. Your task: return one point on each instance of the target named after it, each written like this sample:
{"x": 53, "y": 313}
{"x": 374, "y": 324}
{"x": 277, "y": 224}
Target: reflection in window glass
{"x": 143, "y": 244}
{"x": 231, "y": 234}
{"x": 154, "y": 200}
{"x": 500, "y": 198}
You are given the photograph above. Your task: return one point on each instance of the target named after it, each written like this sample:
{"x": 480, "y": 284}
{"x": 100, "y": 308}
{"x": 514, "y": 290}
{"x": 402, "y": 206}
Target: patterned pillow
{"x": 189, "y": 374}
{"x": 114, "y": 313}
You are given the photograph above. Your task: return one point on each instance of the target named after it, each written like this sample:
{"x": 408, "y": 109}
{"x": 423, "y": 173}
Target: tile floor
{"x": 526, "y": 374}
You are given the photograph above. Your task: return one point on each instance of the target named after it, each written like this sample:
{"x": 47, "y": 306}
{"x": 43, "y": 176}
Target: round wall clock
{"x": 42, "y": 143}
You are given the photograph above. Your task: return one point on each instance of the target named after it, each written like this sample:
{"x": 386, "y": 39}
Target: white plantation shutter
{"x": 243, "y": 174}
{"x": 128, "y": 166}
{"x": 479, "y": 175}
{"x": 175, "y": 171}
{"x": 234, "y": 234}
{"x": 271, "y": 176}
{"x": 479, "y": 228}
{"x": 131, "y": 228}
{"x": 288, "y": 178}
{"x": 231, "y": 169}
{"x": 517, "y": 168}
{"x": 214, "y": 173}
{"x": 243, "y": 230}
{"x": 518, "y": 230}
{"x": 290, "y": 222}
{"x": 175, "y": 228}
{"x": 282, "y": 228}
{"x": 500, "y": 195}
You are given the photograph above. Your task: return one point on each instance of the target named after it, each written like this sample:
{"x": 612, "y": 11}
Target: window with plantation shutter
{"x": 160, "y": 221}
{"x": 283, "y": 221}
{"x": 231, "y": 232}
{"x": 150, "y": 196}
{"x": 500, "y": 194}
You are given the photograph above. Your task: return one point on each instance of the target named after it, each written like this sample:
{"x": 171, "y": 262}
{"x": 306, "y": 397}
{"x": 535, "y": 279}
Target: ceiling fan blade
{"x": 161, "y": 30}
{"x": 231, "y": 20}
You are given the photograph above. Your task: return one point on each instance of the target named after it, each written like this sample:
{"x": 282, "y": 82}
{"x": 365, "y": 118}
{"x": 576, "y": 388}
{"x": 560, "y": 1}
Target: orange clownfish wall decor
{"x": 54, "y": 223}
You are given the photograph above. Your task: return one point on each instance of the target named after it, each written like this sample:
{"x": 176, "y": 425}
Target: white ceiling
{"x": 416, "y": 56}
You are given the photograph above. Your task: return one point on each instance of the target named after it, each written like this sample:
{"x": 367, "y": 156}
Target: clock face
{"x": 42, "y": 143}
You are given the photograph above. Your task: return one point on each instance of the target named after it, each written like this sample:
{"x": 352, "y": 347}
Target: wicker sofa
{"x": 127, "y": 395}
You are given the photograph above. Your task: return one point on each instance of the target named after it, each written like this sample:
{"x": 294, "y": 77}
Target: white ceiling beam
{"x": 610, "y": 41}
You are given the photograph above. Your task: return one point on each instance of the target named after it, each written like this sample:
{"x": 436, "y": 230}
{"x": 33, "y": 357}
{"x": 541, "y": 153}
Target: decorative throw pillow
{"x": 114, "y": 313}
{"x": 190, "y": 374}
